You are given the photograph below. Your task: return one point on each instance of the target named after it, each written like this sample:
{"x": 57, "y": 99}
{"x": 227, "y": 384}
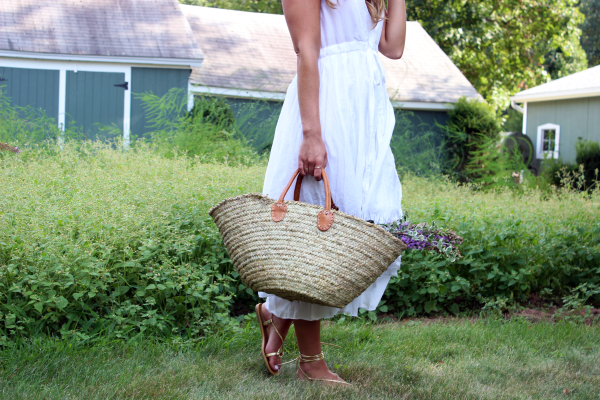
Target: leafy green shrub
{"x": 582, "y": 176}
{"x": 513, "y": 246}
{"x": 588, "y": 155}
{"x": 214, "y": 110}
{"x": 491, "y": 164}
{"x": 558, "y": 172}
{"x": 256, "y": 120}
{"x": 202, "y": 134}
{"x": 471, "y": 123}
{"x": 96, "y": 240}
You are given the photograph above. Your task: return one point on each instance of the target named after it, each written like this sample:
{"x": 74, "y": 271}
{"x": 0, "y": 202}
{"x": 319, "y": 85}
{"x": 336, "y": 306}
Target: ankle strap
{"x": 308, "y": 359}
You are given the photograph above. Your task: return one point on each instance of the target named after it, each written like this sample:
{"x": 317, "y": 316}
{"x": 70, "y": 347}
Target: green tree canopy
{"x": 590, "y": 37}
{"x": 503, "y": 46}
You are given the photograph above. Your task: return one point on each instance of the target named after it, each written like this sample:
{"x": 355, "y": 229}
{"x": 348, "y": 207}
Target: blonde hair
{"x": 376, "y": 8}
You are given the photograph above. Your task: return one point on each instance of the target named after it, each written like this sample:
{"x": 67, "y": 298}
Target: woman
{"x": 336, "y": 115}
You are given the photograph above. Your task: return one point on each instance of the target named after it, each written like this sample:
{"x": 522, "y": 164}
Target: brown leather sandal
{"x": 263, "y": 332}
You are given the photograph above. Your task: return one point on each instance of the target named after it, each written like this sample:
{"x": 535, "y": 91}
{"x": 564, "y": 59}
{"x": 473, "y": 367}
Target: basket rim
{"x": 317, "y": 207}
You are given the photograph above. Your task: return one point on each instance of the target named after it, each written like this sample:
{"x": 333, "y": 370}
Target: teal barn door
{"x": 37, "y": 88}
{"x": 95, "y": 103}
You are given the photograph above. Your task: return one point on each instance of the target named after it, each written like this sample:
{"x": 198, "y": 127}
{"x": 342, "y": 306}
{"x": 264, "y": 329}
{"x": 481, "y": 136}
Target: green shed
{"x": 84, "y": 62}
{"x": 249, "y": 58}
{"x": 557, "y": 113}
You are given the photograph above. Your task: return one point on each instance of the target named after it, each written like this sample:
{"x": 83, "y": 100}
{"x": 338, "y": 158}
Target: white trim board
{"x": 562, "y": 95}
{"x": 422, "y": 105}
{"x": 241, "y": 93}
{"x": 263, "y": 95}
{"x": 67, "y": 65}
{"x": 102, "y": 59}
{"x": 62, "y": 98}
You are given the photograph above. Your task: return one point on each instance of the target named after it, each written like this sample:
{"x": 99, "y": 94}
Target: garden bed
{"x": 96, "y": 241}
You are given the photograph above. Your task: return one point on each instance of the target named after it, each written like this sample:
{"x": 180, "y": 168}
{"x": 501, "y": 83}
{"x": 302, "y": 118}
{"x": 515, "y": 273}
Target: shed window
{"x": 548, "y": 139}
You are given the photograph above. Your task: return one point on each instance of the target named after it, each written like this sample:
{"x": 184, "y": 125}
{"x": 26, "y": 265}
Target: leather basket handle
{"x": 297, "y": 192}
{"x": 325, "y": 217}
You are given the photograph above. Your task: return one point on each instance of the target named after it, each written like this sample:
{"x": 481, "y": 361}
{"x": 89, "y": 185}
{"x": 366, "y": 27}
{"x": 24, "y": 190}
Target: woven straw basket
{"x": 300, "y": 251}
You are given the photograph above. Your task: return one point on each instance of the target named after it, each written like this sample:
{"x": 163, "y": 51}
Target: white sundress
{"x": 357, "y": 120}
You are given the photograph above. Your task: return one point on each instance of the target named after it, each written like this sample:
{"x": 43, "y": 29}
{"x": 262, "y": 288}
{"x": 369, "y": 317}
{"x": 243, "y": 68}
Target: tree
{"x": 503, "y": 46}
{"x": 590, "y": 37}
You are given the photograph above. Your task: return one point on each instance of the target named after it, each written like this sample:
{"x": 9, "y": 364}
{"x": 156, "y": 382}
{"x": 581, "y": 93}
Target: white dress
{"x": 357, "y": 120}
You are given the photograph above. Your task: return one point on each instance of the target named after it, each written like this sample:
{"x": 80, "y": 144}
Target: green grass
{"x": 458, "y": 359}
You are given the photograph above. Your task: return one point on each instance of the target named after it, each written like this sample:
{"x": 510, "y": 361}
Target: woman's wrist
{"x": 311, "y": 132}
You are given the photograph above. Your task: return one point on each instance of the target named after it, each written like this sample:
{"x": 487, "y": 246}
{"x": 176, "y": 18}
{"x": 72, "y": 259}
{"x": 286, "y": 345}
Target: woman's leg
{"x": 309, "y": 342}
{"x": 274, "y": 341}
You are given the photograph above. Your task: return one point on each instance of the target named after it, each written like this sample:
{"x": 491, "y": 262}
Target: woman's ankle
{"x": 314, "y": 367}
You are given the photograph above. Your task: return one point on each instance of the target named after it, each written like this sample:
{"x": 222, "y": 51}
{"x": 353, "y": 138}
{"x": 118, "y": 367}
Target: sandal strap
{"x": 277, "y": 353}
{"x": 308, "y": 359}
{"x": 274, "y": 327}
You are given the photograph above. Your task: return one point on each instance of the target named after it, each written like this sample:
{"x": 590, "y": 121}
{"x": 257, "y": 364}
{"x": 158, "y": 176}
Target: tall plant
{"x": 471, "y": 125}
{"x": 588, "y": 155}
{"x": 207, "y": 132}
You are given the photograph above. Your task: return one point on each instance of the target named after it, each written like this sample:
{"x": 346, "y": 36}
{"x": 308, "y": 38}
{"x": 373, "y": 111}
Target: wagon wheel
{"x": 521, "y": 142}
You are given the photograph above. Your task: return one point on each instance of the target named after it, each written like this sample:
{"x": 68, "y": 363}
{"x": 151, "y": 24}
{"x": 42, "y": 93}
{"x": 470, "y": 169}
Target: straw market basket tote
{"x": 300, "y": 251}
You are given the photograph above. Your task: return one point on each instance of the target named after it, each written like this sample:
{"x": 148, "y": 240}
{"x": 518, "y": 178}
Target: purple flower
{"x": 6, "y": 147}
{"x": 427, "y": 237}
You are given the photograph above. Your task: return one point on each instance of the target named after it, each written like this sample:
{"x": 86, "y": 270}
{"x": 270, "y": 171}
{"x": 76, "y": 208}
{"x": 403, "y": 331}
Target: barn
{"x": 559, "y": 112}
{"x": 83, "y": 61}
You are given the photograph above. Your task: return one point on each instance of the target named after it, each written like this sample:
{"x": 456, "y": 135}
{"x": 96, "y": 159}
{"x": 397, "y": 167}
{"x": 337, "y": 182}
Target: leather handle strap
{"x": 324, "y": 218}
{"x": 297, "y": 192}
{"x": 289, "y": 185}
{"x": 299, "y": 183}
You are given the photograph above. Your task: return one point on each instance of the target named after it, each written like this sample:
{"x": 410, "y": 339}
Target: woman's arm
{"x": 393, "y": 34}
{"x": 303, "y": 20}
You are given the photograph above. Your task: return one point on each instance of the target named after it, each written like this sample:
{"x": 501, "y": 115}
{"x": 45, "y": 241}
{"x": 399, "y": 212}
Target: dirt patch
{"x": 554, "y": 314}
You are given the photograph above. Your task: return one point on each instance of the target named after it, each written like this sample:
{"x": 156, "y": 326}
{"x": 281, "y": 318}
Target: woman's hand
{"x": 312, "y": 158}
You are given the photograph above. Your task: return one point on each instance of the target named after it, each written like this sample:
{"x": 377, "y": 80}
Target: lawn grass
{"x": 451, "y": 359}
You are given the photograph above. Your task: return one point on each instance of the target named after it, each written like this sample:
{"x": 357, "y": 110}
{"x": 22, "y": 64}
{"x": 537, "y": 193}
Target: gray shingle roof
{"x": 122, "y": 28}
{"x": 253, "y": 51}
{"x": 578, "y": 84}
